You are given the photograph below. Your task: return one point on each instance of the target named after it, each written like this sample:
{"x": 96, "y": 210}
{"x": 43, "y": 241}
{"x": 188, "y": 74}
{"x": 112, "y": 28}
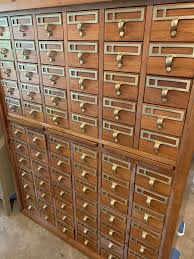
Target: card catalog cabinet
{"x": 97, "y": 102}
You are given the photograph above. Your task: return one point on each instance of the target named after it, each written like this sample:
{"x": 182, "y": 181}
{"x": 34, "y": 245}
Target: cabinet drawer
{"x": 150, "y": 199}
{"x": 52, "y": 52}
{"x": 122, "y": 56}
{"x": 112, "y": 246}
{"x": 83, "y": 80}
{"x": 22, "y": 27}
{"x": 84, "y": 125}
{"x": 23, "y": 161}
{"x": 18, "y": 132}
{"x": 84, "y": 103}
{"x": 89, "y": 244}
{"x": 7, "y": 70}
{"x": 10, "y": 88}
{"x": 83, "y": 25}
{"x": 53, "y": 76}
{"x": 171, "y": 59}
{"x": 107, "y": 255}
{"x": 85, "y": 156}
{"x": 86, "y": 206}
{"x": 20, "y": 146}
{"x": 26, "y": 51}
{"x": 121, "y": 85}
{"x": 125, "y": 24}
{"x": 134, "y": 255}
{"x": 62, "y": 179}
{"x": 13, "y": 106}
{"x": 145, "y": 235}
{"x": 114, "y": 202}
{"x": 29, "y": 198}
{"x": 87, "y": 233}
{"x": 50, "y": 26}
{"x": 139, "y": 247}
{"x": 112, "y": 233}
{"x": 115, "y": 185}
{"x": 167, "y": 91}
{"x": 155, "y": 181}
{"x": 48, "y": 218}
{"x": 41, "y": 169}
{"x": 83, "y": 54}
{"x": 38, "y": 154}
{"x": 61, "y": 163}
{"x": 28, "y": 73}
{"x": 30, "y": 208}
{"x": 45, "y": 208}
{"x": 27, "y": 187}
{"x": 57, "y": 117}
{"x": 64, "y": 207}
{"x": 113, "y": 220}
{"x": 85, "y": 173}
{"x": 59, "y": 146}
{"x": 69, "y": 231}
{"x": 55, "y": 98}
{"x": 4, "y": 28}
{"x": 174, "y": 21}
{"x": 87, "y": 190}
{"x": 83, "y": 218}
{"x": 6, "y": 52}
{"x": 164, "y": 120}
{"x": 31, "y": 93}
{"x": 41, "y": 184}
{"x": 119, "y": 111}
{"x": 148, "y": 216}
{"x": 25, "y": 175}
{"x": 36, "y": 139}
{"x": 119, "y": 167}
{"x": 44, "y": 196}
{"x": 63, "y": 193}
{"x": 67, "y": 221}
{"x": 159, "y": 144}
{"x": 118, "y": 133}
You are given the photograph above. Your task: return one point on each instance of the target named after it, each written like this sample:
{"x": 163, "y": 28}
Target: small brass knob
{"x": 49, "y": 29}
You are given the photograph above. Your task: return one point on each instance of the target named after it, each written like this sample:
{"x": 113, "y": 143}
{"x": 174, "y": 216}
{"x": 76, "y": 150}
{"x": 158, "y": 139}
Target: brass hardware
{"x": 85, "y": 189}
{"x": 85, "y": 205}
{"x": 110, "y": 245}
{"x": 38, "y": 154}
{"x": 118, "y": 88}
{"x": 25, "y": 186}
{"x": 82, "y": 105}
{"x": 114, "y": 168}
{"x": 62, "y": 193}
{"x": 63, "y": 206}
{"x": 60, "y": 163}
{"x": 17, "y": 133}
{"x": 58, "y": 147}
{"x": 111, "y": 219}
{"x": 148, "y": 200}
{"x": 1, "y": 31}
{"x": 30, "y": 95}
{"x": 80, "y": 57}
{"x": 35, "y": 140}
{"x": 156, "y": 147}
{"x": 112, "y": 202}
{"x": 29, "y": 207}
{"x": 110, "y": 257}
{"x": 21, "y": 160}
{"x": 173, "y": 27}
{"x": 115, "y": 136}
{"x": 81, "y": 83}
{"x": 60, "y": 178}
{"x": 53, "y": 79}
{"x": 168, "y": 63}
{"x": 164, "y": 95}
{"x": 120, "y": 60}
{"x": 80, "y": 29}
{"x": 111, "y": 232}
{"x": 22, "y": 28}
{"x": 116, "y": 113}
{"x": 152, "y": 181}
{"x": 121, "y": 31}
{"x": 7, "y": 72}
{"x": 19, "y": 146}
{"x": 49, "y": 29}
{"x": 64, "y": 230}
{"x": 55, "y": 100}
{"x": 45, "y": 207}
{"x": 83, "y": 127}
{"x": 51, "y": 54}
{"x": 4, "y": 52}
{"x": 84, "y": 173}
{"x": 64, "y": 218}
{"x": 144, "y": 234}
{"x": 146, "y": 217}
{"x": 85, "y": 231}
{"x": 56, "y": 120}
{"x": 86, "y": 242}
{"x": 43, "y": 195}
{"x": 10, "y": 91}
{"x": 85, "y": 218}
{"x": 113, "y": 186}
{"x": 28, "y": 75}
{"x": 27, "y": 197}
{"x": 23, "y": 174}
{"x": 83, "y": 156}
{"x": 41, "y": 183}
{"x": 160, "y": 123}
{"x": 46, "y": 217}
{"x": 141, "y": 250}
{"x": 13, "y": 108}
{"x": 40, "y": 168}
{"x": 25, "y": 53}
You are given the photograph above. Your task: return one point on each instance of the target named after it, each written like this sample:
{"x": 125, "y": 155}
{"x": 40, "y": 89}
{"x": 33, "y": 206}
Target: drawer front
{"x": 27, "y": 187}
{"x": 113, "y": 220}
{"x": 18, "y": 132}
{"x": 154, "y": 181}
{"x": 47, "y": 209}
{"x": 67, "y": 221}
{"x": 84, "y": 103}
{"x": 23, "y": 161}
{"x": 124, "y": 57}
{"x": 50, "y": 26}
{"x": 31, "y": 93}
{"x": 125, "y": 24}
{"x": 13, "y": 106}
{"x": 90, "y": 221}
{"x": 164, "y": 120}
{"x": 68, "y": 231}
{"x": 55, "y": 98}
{"x": 86, "y": 190}
{"x": 83, "y": 54}
{"x": 159, "y": 144}
{"x": 38, "y": 154}
{"x": 6, "y": 52}
{"x": 83, "y": 25}
{"x": 64, "y": 207}
{"x": 26, "y": 51}
{"x": 62, "y": 179}
{"x": 48, "y": 218}
{"x": 30, "y": 208}
{"x": 167, "y": 91}
{"x": 28, "y": 73}
{"x": 10, "y": 88}
{"x": 113, "y": 234}
{"x": 115, "y": 185}
{"x": 87, "y": 243}
{"x": 121, "y": 85}
{"x": 41, "y": 184}
{"x": 20, "y": 146}
{"x": 36, "y": 139}
{"x": 61, "y": 163}
{"x": 59, "y": 146}
{"x": 83, "y": 80}
{"x": 85, "y": 156}
{"x": 85, "y": 173}
{"x": 84, "y": 125}
{"x": 25, "y": 175}
{"x": 53, "y": 76}
{"x": 114, "y": 202}
{"x": 151, "y": 199}
{"x": 119, "y": 111}
{"x": 57, "y": 117}
{"x": 62, "y": 193}
{"x": 145, "y": 235}
{"x": 120, "y": 168}
{"x": 44, "y": 196}
{"x": 4, "y": 28}
{"x": 175, "y": 22}
{"x": 88, "y": 207}
{"x": 171, "y": 59}
{"x": 108, "y": 255}
{"x": 40, "y": 168}
{"x": 7, "y": 70}
{"x": 87, "y": 233}
{"x": 118, "y": 133}
{"x": 52, "y": 52}
{"x": 112, "y": 247}
{"x": 22, "y": 27}
{"x": 29, "y": 198}
{"x": 149, "y": 217}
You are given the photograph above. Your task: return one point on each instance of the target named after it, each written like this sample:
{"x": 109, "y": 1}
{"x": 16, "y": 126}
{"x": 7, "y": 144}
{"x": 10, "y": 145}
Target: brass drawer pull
{"x": 85, "y": 231}
{"x": 81, "y": 83}
{"x": 156, "y": 147}
{"x": 113, "y": 202}
{"x": 56, "y": 120}
{"x": 86, "y": 242}
{"x": 53, "y": 79}
{"x": 120, "y": 60}
{"x": 60, "y": 178}
{"x": 64, "y": 230}
{"x": 115, "y": 136}
{"x": 173, "y": 27}
{"x": 22, "y": 28}
{"x": 51, "y": 54}
{"x": 43, "y": 195}
{"x": 38, "y": 154}
{"x": 80, "y": 57}
{"x": 7, "y": 72}
{"x": 30, "y": 95}
{"x": 111, "y": 232}
{"x": 80, "y": 29}
{"x": 10, "y": 91}
{"x": 110, "y": 245}
{"x": 152, "y": 181}
{"x": 142, "y": 249}
{"x": 111, "y": 219}
{"x": 84, "y": 174}
{"x": 25, "y": 186}
{"x": 23, "y": 174}
{"x": 113, "y": 186}
{"x": 168, "y": 63}
{"x": 159, "y": 123}
{"x": 82, "y": 106}
{"x": 114, "y": 168}
{"x": 121, "y": 30}
{"x": 148, "y": 200}
{"x": 19, "y": 146}
{"x": 63, "y": 206}
{"x": 21, "y": 160}
{"x": 85, "y": 189}
{"x": 118, "y": 88}
{"x": 25, "y": 53}
{"x": 42, "y": 183}
{"x": 60, "y": 163}
{"x": 85, "y": 218}
{"x": 45, "y": 207}
{"x": 4, "y": 52}
{"x": 27, "y": 197}
{"x": 28, "y": 75}
{"x": 46, "y": 218}
{"x": 85, "y": 205}
{"x": 83, "y": 156}
{"x": 40, "y": 168}
{"x": 62, "y": 193}
{"x": 58, "y": 147}
{"x": 116, "y": 113}
{"x": 49, "y": 29}
{"x": 83, "y": 127}
{"x": 35, "y": 140}
{"x": 13, "y": 108}
{"x": 64, "y": 218}
{"x": 30, "y": 207}
{"x": 55, "y": 100}
{"x": 110, "y": 256}
{"x": 144, "y": 234}
{"x": 17, "y": 133}
{"x": 146, "y": 217}
{"x": 2, "y": 29}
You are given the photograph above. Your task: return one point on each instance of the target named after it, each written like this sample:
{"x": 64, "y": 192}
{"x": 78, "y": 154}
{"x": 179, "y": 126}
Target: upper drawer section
{"x": 50, "y": 26}
{"x": 125, "y": 24}
{"x": 173, "y": 23}
{"x": 4, "y": 28}
{"x": 83, "y": 25}
{"x": 22, "y": 27}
